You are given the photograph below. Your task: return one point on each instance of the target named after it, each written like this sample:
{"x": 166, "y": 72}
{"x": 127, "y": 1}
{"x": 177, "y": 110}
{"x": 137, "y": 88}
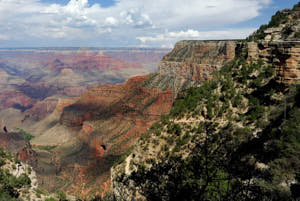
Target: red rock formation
{"x": 17, "y": 145}
{"x": 15, "y": 99}
{"x": 62, "y": 103}
{"x": 113, "y": 117}
{"x": 129, "y": 100}
{"x": 42, "y": 109}
{"x": 196, "y": 60}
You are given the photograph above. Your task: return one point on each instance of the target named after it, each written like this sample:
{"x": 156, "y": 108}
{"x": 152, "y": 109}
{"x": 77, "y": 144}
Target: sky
{"x": 129, "y": 23}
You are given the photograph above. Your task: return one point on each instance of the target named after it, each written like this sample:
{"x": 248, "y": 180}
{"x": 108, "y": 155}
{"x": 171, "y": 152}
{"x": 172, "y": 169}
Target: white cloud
{"x": 187, "y": 34}
{"x": 127, "y": 20}
{"x": 4, "y": 37}
{"x": 197, "y": 35}
{"x": 145, "y": 39}
{"x": 111, "y": 21}
{"x": 136, "y": 18}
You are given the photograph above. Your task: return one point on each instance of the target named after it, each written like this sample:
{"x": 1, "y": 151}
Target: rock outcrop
{"x": 196, "y": 60}
{"x": 17, "y": 145}
{"x": 115, "y": 116}
{"x": 283, "y": 55}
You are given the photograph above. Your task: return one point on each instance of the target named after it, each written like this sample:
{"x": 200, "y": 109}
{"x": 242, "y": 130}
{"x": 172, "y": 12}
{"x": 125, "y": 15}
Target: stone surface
{"x": 16, "y": 144}
{"x": 196, "y": 60}
{"x": 283, "y": 55}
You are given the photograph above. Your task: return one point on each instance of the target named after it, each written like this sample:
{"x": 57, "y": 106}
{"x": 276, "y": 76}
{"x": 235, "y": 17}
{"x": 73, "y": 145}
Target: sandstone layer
{"x": 283, "y": 55}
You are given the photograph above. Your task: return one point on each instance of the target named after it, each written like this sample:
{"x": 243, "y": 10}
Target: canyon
{"x": 38, "y": 84}
{"x": 89, "y": 111}
{"x": 78, "y": 139}
{"x": 219, "y": 140}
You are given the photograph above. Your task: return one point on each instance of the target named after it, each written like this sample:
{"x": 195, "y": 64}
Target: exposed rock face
{"x": 196, "y": 60}
{"x": 130, "y": 99}
{"x": 42, "y": 109}
{"x": 284, "y": 55}
{"x": 202, "y": 52}
{"x": 286, "y": 28}
{"x": 277, "y": 43}
{"x": 30, "y": 76}
{"x": 115, "y": 116}
{"x": 15, "y": 99}
{"x": 17, "y": 145}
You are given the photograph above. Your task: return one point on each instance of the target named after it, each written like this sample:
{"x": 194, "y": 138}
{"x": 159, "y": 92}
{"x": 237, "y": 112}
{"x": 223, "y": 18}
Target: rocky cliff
{"x": 219, "y": 134}
{"x": 30, "y": 76}
{"x": 194, "y": 61}
{"x": 108, "y": 120}
{"x": 115, "y": 116}
{"x": 84, "y": 138}
{"x": 16, "y": 144}
{"x": 103, "y": 125}
{"x": 283, "y": 55}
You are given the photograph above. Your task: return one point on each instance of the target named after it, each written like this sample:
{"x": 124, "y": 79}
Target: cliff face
{"x": 115, "y": 116}
{"x": 129, "y": 100}
{"x": 17, "y": 145}
{"x": 171, "y": 158}
{"x": 108, "y": 120}
{"x": 283, "y": 55}
{"x": 277, "y": 43}
{"x": 30, "y": 78}
{"x": 196, "y": 60}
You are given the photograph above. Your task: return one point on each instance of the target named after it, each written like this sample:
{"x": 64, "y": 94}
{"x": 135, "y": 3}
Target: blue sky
{"x": 129, "y": 23}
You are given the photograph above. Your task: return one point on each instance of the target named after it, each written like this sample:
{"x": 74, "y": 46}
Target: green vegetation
{"x": 252, "y": 155}
{"x": 214, "y": 97}
{"x": 27, "y": 136}
{"x": 276, "y": 20}
{"x": 61, "y": 196}
{"x": 297, "y": 7}
{"x": 50, "y": 199}
{"x": 297, "y": 34}
{"x": 9, "y": 184}
{"x": 46, "y": 147}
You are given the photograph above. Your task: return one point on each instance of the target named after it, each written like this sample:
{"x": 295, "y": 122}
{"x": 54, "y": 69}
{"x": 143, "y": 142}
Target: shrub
{"x": 277, "y": 19}
{"x": 174, "y": 129}
{"x": 26, "y": 135}
{"x": 50, "y": 199}
{"x": 61, "y": 196}
{"x": 297, "y": 35}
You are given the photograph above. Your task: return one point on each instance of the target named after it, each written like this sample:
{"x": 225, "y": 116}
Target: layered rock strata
{"x": 283, "y": 55}
{"x": 196, "y": 60}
